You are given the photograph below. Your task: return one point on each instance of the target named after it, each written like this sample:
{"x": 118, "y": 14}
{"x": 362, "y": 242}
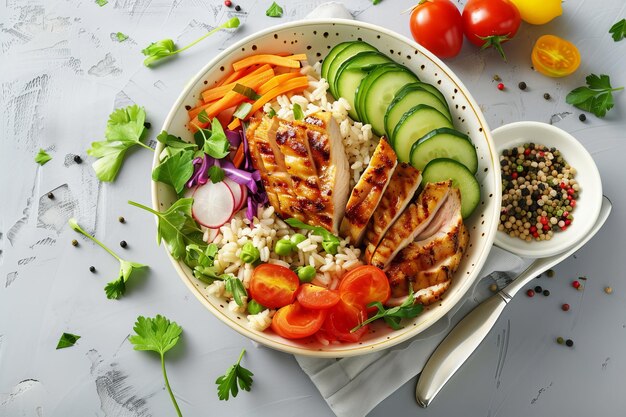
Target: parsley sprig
{"x": 116, "y": 288}
{"x": 274, "y": 10}
{"x": 596, "y": 97}
{"x": 165, "y": 48}
{"x": 235, "y": 377}
{"x": 67, "y": 340}
{"x": 618, "y": 30}
{"x": 42, "y": 157}
{"x": 157, "y": 335}
{"x": 394, "y": 315}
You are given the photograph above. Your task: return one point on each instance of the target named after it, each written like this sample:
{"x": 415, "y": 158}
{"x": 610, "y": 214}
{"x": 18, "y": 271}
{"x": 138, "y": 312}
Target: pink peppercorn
{"x": 500, "y": 86}
{"x": 576, "y": 284}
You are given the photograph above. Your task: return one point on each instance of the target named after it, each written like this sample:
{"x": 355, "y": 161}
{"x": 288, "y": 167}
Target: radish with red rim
{"x": 213, "y": 204}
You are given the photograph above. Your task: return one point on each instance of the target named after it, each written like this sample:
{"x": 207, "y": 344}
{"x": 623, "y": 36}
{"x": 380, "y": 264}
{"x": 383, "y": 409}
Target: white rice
{"x": 266, "y": 229}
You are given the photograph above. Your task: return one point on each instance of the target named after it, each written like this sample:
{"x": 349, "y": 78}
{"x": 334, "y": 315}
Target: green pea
{"x": 284, "y": 247}
{"x": 249, "y": 254}
{"x": 330, "y": 246}
{"x": 306, "y": 273}
{"x": 254, "y": 307}
{"x": 298, "y": 238}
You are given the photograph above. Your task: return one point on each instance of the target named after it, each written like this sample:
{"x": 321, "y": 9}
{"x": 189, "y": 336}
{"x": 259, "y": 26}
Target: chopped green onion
{"x": 246, "y": 91}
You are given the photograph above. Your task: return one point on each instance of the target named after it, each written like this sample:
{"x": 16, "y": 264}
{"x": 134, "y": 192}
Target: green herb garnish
{"x": 596, "y": 98}
{"x": 618, "y": 30}
{"x": 174, "y": 141}
{"x": 392, "y": 316}
{"x": 246, "y": 91}
{"x": 175, "y": 170}
{"x": 125, "y": 128}
{"x": 242, "y": 110}
{"x": 121, "y": 37}
{"x": 271, "y": 113}
{"x": 213, "y": 142}
{"x": 235, "y": 377}
{"x": 102, "y": 3}
{"x": 67, "y": 340}
{"x": 298, "y": 114}
{"x": 42, "y": 157}
{"x": 330, "y": 242}
{"x": 274, "y": 10}
{"x": 234, "y": 286}
{"x": 157, "y": 335}
{"x": 166, "y": 47}
{"x": 116, "y": 288}
{"x": 216, "y": 174}
{"x": 176, "y": 227}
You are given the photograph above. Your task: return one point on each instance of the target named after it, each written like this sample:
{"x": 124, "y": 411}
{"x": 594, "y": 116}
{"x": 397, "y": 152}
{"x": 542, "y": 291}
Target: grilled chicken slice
{"x": 402, "y": 186}
{"x": 411, "y": 222}
{"x": 368, "y": 191}
{"x": 333, "y": 169}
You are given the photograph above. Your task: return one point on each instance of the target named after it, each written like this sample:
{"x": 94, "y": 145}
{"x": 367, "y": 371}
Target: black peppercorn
{"x": 78, "y": 159}
{"x": 546, "y": 96}
{"x": 522, "y": 85}
{"x": 121, "y": 219}
{"x": 546, "y": 292}
{"x": 147, "y": 125}
{"x": 538, "y": 289}
{"x": 569, "y": 342}
{"x": 123, "y": 243}
{"x": 50, "y": 196}
{"x": 92, "y": 269}
{"x": 582, "y": 117}
{"x": 238, "y": 8}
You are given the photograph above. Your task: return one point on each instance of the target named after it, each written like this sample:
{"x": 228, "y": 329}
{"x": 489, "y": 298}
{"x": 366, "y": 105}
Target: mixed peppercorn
{"x": 539, "y": 192}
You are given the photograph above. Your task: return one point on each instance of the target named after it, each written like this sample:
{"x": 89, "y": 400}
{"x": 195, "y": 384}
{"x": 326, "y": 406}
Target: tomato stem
{"x": 495, "y": 41}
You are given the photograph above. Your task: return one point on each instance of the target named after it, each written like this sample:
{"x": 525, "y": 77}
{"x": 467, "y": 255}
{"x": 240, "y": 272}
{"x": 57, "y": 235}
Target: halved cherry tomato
{"x": 294, "y": 321}
{"x": 273, "y": 286}
{"x": 555, "y": 57}
{"x": 316, "y": 297}
{"x": 438, "y": 27}
{"x": 364, "y": 284}
{"x": 342, "y": 318}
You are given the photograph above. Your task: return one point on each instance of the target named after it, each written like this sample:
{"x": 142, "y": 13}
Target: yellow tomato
{"x": 538, "y": 12}
{"x": 555, "y": 57}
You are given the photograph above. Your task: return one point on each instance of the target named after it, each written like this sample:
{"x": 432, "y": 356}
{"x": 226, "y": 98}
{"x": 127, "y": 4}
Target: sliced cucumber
{"x": 381, "y": 92}
{"x": 361, "y": 91}
{"x": 331, "y": 55}
{"x": 443, "y": 169}
{"x": 352, "y": 71}
{"x": 409, "y": 96}
{"x": 444, "y": 143}
{"x": 434, "y": 90}
{"x": 352, "y": 49}
{"x": 414, "y": 124}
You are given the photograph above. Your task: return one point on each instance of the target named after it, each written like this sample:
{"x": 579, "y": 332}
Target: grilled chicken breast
{"x": 303, "y": 167}
{"x": 399, "y": 193}
{"x": 411, "y": 222}
{"x": 368, "y": 192}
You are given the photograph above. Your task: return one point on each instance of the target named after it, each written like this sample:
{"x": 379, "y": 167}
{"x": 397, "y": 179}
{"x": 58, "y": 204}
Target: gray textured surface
{"x": 61, "y": 74}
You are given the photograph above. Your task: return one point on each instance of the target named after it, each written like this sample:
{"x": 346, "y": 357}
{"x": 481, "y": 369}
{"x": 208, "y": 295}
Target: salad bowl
{"x": 316, "y": 38}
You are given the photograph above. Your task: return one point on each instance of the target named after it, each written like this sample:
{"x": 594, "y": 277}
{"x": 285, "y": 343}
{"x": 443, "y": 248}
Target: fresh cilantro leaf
{"x": 203, "y": 117}
{"x": 274, "y": 10}
{"x": 235, "y": 377}
{"x": 298, "y": 114}
{"x": 67, "y": 340}
{"x": 157, "y": 51}
{"x": 157, "y": 335}
{"x": 246, "y": 91}
{"x": 214, "y": 142}
{"x": 125, "y": 129}
{"x": 216, "y": 174}
{"x": 121, "y": 37}
{"x": 234, "y": 286}
{"x": 271, "y": 113}
{"x": 102, "y": 3}
{"x": 200, "y": 255}
{"x": 393, "y": 316}
{"x": 176, "y": 226}
{"x": 175, "y": 170}
{"x": 116, "y": 288}
{"x": 242, "y": 110}
{"x": 330, "y": 242}
{"x": 174, "y": 141}
{"x": 618, "y": 30}
{"x": 42, "y": 157}
{"x": 596, "y": 97}
{"x": 375, "y": 2}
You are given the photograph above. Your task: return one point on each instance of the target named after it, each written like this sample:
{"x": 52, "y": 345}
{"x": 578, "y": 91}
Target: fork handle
{"x": 457, "y": 347}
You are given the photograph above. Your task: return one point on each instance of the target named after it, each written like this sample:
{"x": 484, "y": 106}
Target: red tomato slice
{"x": 365, "y": 284}
{"x": 316, "y": 297}
{"x": 342, "y": 318}
{"x": 273, "y": 286}
{"x": 295, "y": 322}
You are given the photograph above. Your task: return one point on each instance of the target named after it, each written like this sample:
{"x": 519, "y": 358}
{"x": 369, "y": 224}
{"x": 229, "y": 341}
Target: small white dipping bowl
{"x": 590, "y": 197}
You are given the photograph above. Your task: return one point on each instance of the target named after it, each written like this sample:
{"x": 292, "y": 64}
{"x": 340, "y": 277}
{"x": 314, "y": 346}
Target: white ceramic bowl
{"x": 590, "y": 198}
{"x": 316, "y": 38}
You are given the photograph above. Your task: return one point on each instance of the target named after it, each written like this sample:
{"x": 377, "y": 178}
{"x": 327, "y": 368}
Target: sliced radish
{"x": 244, "y": 195}
{"x": 236, "y": 190}
{"x": 213, "y": 204}
{"x": 211, "y": 234}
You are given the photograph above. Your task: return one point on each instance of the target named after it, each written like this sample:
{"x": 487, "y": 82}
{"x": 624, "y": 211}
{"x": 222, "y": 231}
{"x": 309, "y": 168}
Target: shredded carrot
{"x": 234, "y": 124}
{"x": 234, "y": 76}
{"x": 297, "y": 57}
{"x": 276, "y": 81}
{"x": 218, "y": 92}
{"x": 293, "y": 85}
{"x": 201, "y": 106}
{"x": 276, "y": 60}
{"x": 238, "y": 159}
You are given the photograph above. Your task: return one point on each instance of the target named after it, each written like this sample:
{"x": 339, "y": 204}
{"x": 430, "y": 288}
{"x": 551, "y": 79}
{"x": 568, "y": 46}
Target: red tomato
{"x": 273, "y": 286}
{"x": 342, "y": 318}
{"x": 438, "y": 27}
{"x": 295, "y": 322}
{"x": 316, "y": 297}
{"x": 490, "y": 22}
{"x": 364, "y": 285}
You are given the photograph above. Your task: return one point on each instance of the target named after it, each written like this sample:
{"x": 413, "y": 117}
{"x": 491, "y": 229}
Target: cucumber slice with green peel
{"x": 351, "y": 73}
{"x": 331, "y": 56}
{"x": 413, "y": 125}
{"x": 348, "y": 52}
{"x": 434, "y": 90}
{"x": 443, "y": 169}
{"x": 444, "y": 143}
{"x": 409, "y": 96}
{"x": 361, "y": 91}
{"x": 381, "y": 92}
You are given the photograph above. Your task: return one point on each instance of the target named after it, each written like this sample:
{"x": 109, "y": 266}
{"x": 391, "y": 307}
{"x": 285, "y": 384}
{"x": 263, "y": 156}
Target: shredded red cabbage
{"x": 201, "y": 172}
{"x": 234, "y": 137}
